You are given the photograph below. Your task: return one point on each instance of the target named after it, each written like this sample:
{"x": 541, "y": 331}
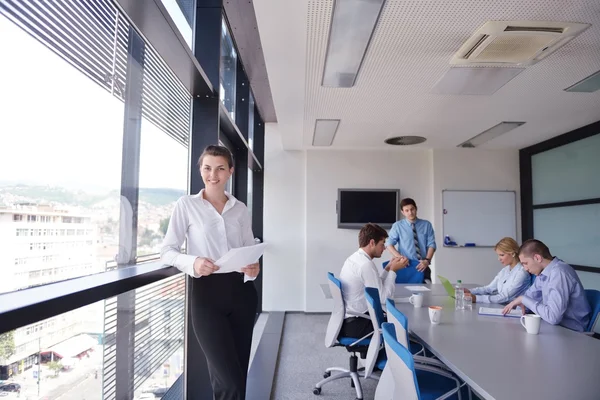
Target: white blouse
{"x": 209, "y": 234}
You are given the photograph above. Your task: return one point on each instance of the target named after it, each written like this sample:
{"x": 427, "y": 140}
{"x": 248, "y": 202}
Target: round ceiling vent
{"x": 405, "y": 140}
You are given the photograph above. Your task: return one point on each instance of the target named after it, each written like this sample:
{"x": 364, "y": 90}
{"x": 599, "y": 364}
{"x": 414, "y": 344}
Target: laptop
{"x": 447, "y": 285}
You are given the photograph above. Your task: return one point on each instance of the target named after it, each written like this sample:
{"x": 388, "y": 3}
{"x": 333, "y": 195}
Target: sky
{"x": 60, "y": 128}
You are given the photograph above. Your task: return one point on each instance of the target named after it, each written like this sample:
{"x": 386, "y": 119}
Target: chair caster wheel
{"x": 317, "y": 391}
{"x": 326, "y": 374}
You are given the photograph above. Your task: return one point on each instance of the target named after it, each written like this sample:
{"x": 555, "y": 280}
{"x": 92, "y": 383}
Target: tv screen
{"x": 356, "y": 207}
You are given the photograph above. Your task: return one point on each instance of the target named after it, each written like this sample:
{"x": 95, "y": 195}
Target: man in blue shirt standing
{"x": 415, "y": 240}
{"x": 557, "y": 294}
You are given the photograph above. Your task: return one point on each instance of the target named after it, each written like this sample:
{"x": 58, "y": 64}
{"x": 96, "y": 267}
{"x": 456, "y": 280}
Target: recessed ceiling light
{"x": 405, "y": 140}
{"x": 352, "y": 26}
{"x": 586, "y": 85}
{"x": 490, "y": 134}
{"x": 475, "y": 80}
{"x": 325, "y": 130}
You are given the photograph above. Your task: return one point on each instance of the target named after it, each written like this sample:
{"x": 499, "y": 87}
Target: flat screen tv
{"x": 356, "y": 207}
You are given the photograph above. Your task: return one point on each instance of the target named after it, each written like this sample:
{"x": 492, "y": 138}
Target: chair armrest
{"x": 588, "y": 333}
{"x": 438, "y": 371}
{"x": 355, "y": 314}
{"x": 430, "y": 361}
{"x": 362, "y": 338}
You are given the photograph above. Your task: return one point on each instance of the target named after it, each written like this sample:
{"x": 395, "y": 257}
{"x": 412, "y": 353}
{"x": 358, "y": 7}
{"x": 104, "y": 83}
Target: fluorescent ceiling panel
{"x": 325, "y": 130}
{"x": 587, "y": 85}
{"x": 475, "y": 81}
{"x": 491, "y": 133}
{"x": 352, "y": 26}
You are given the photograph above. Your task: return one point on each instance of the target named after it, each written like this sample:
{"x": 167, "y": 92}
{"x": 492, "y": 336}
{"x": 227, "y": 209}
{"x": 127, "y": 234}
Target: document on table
{"x": 497, "y": 312}
{"x": 239, "y": 257}
{"x": 417, "y": 288}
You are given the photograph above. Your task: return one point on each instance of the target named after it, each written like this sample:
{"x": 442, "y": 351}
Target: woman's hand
{"x": 251, "y": 270}
{"x": 204, "y": 266}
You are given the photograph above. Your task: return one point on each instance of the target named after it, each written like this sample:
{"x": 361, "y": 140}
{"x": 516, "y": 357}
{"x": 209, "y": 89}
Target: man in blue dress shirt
{"x": 414, "y": 239}
{"x": 557, "y": 294}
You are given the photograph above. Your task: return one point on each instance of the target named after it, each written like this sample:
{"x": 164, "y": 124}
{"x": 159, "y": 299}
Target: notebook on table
{"x": 497, "y": 312}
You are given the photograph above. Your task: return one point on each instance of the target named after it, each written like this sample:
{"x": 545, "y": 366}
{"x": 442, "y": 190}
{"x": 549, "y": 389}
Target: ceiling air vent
{"x": 405, "y": 140}
{"x": 515, "y": 43}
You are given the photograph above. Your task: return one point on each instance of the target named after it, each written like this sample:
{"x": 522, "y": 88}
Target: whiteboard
{"x": 480, "y": 217}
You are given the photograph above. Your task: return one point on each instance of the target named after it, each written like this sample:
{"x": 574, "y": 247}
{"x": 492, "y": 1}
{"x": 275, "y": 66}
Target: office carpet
{"x": 303, "y": 358}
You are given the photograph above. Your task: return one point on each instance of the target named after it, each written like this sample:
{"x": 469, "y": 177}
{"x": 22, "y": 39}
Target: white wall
{"x": 300, "y": 217}
{"x": 471, "y": 169}
{"x": 327, "y": 247}
{"x": 284, "y": 225}
{"x": 589, "y": 280}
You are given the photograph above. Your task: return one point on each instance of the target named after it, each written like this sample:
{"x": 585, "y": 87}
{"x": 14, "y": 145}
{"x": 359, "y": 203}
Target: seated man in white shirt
{"x": 359, "y": 271}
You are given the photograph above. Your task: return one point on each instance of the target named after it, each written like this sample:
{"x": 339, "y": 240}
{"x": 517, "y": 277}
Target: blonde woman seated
{"x": 512, "y": 280}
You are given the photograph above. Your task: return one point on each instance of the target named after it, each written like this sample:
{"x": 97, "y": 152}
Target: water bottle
{"x": 459, "y": 294}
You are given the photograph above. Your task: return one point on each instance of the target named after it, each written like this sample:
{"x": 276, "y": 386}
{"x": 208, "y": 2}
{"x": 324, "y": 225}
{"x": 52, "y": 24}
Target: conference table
{"x": 497, "y": 358}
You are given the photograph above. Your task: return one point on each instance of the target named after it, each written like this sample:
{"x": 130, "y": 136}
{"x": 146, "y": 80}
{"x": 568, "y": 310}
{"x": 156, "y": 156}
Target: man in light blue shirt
{"x": 557, "y": 294}
{"x": 414, "y": 239}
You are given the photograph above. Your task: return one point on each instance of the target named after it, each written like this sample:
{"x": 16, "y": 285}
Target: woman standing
{"x": 223, "y": 304}
{"x": 512, "y": 280}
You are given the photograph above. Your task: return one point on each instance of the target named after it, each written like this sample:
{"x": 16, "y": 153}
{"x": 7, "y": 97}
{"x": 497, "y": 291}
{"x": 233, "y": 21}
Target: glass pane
{"x": 250, "y": 190}
{"x": 567, "y": 172}
{"x": 228, "y": 70}
{"x": 571, "y": 233}
{"x": 77, "y": 350}
{"x": 60, "y": 171}
{"x": 182, "y": 13}
{"x": 161, "y": 184}
{"x": 251, "y": 123}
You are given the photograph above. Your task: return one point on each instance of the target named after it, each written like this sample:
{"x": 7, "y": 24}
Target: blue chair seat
{"x": 381, "y": 363}
{"x": 347, "y": 341}
{"x": 433, "y": 385}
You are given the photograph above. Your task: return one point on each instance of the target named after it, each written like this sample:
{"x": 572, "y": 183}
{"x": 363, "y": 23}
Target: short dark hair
{"x": 371, "y": 231}
{"x": 216, "y": 151}
{"x": 534, "y": 246}
{"x": 407, "y": 202}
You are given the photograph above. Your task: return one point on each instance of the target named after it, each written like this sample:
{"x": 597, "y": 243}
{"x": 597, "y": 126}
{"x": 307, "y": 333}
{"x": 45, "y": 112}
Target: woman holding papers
{"x": 511, "y": 281}
{"x": 223, "y": 302}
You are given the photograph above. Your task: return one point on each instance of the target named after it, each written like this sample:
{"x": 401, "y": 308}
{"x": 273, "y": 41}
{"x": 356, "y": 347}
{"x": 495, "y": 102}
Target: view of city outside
{"x": 61, "y": 214}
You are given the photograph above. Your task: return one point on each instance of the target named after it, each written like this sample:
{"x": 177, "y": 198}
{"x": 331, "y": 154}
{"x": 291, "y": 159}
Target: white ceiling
{"x": 409, "y": 52}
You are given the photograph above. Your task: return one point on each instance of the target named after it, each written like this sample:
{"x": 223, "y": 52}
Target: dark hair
{"x": 533, "y": 246}
{"x": 407, "y": 202}
{"x": 371, "y": 231}
{"x": 216, "y": 151}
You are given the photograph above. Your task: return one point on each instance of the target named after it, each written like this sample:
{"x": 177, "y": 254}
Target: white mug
{"x": 416, "y": 300}
{"x": 435, "y": 314}
{"x": 531, "y": 323}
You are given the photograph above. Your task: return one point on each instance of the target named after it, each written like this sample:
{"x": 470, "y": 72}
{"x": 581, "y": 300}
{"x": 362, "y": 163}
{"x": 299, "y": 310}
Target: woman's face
{"x": 215, "y": 172}
{"x": 504, "y": 258}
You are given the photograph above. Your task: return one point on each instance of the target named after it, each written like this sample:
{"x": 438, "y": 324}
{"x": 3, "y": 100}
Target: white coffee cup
{"x": 435, "y": 314}
{"x": 416, "y": 300}
{"x": 531, "y": 323}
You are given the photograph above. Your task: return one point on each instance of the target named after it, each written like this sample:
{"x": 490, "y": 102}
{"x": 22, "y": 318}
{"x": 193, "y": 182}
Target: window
{"x": 182, "y": 13}
{"x": 83, "y": 115}
{"x": 228, "y": 70}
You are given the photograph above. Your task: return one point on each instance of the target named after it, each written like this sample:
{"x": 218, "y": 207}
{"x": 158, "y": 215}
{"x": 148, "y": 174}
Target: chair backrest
{"x": 593, "y": 297}
{"x": 402, "y": 366}
{"x": 408, "y": 274}
{"x": 400, "y": 322}
{"x": 377, "y": 318}
{"x": 337, "y": 314}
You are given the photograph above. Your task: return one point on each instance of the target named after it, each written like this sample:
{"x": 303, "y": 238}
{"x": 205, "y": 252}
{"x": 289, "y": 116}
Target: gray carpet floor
{"x": 303, "y": 358}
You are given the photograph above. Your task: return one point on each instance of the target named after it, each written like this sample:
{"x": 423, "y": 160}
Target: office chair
{"x": 353, "y": 345}
{"x": 593, "y": 297}
{"x": 413, "y": 381}
{"x": 408, "y": 274}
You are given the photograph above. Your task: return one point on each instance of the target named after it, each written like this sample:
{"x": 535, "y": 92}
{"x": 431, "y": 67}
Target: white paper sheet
{"x": 417, "y": 288}
{"x": 236, "y": 259}
{"x": 498, "y": 312}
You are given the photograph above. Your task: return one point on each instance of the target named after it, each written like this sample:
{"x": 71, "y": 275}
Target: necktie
{"x": 414, "y": 229}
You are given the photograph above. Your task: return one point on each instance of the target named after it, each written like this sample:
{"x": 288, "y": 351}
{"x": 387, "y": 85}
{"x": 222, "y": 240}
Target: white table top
{"x": 501, "y": 361}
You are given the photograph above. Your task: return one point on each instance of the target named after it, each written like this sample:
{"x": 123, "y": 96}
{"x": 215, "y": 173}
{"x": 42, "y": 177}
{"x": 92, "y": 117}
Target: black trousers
{"x": 427, "y": 274}
{"x": 223, "y": 315}
{"x": 356, "y": 327}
